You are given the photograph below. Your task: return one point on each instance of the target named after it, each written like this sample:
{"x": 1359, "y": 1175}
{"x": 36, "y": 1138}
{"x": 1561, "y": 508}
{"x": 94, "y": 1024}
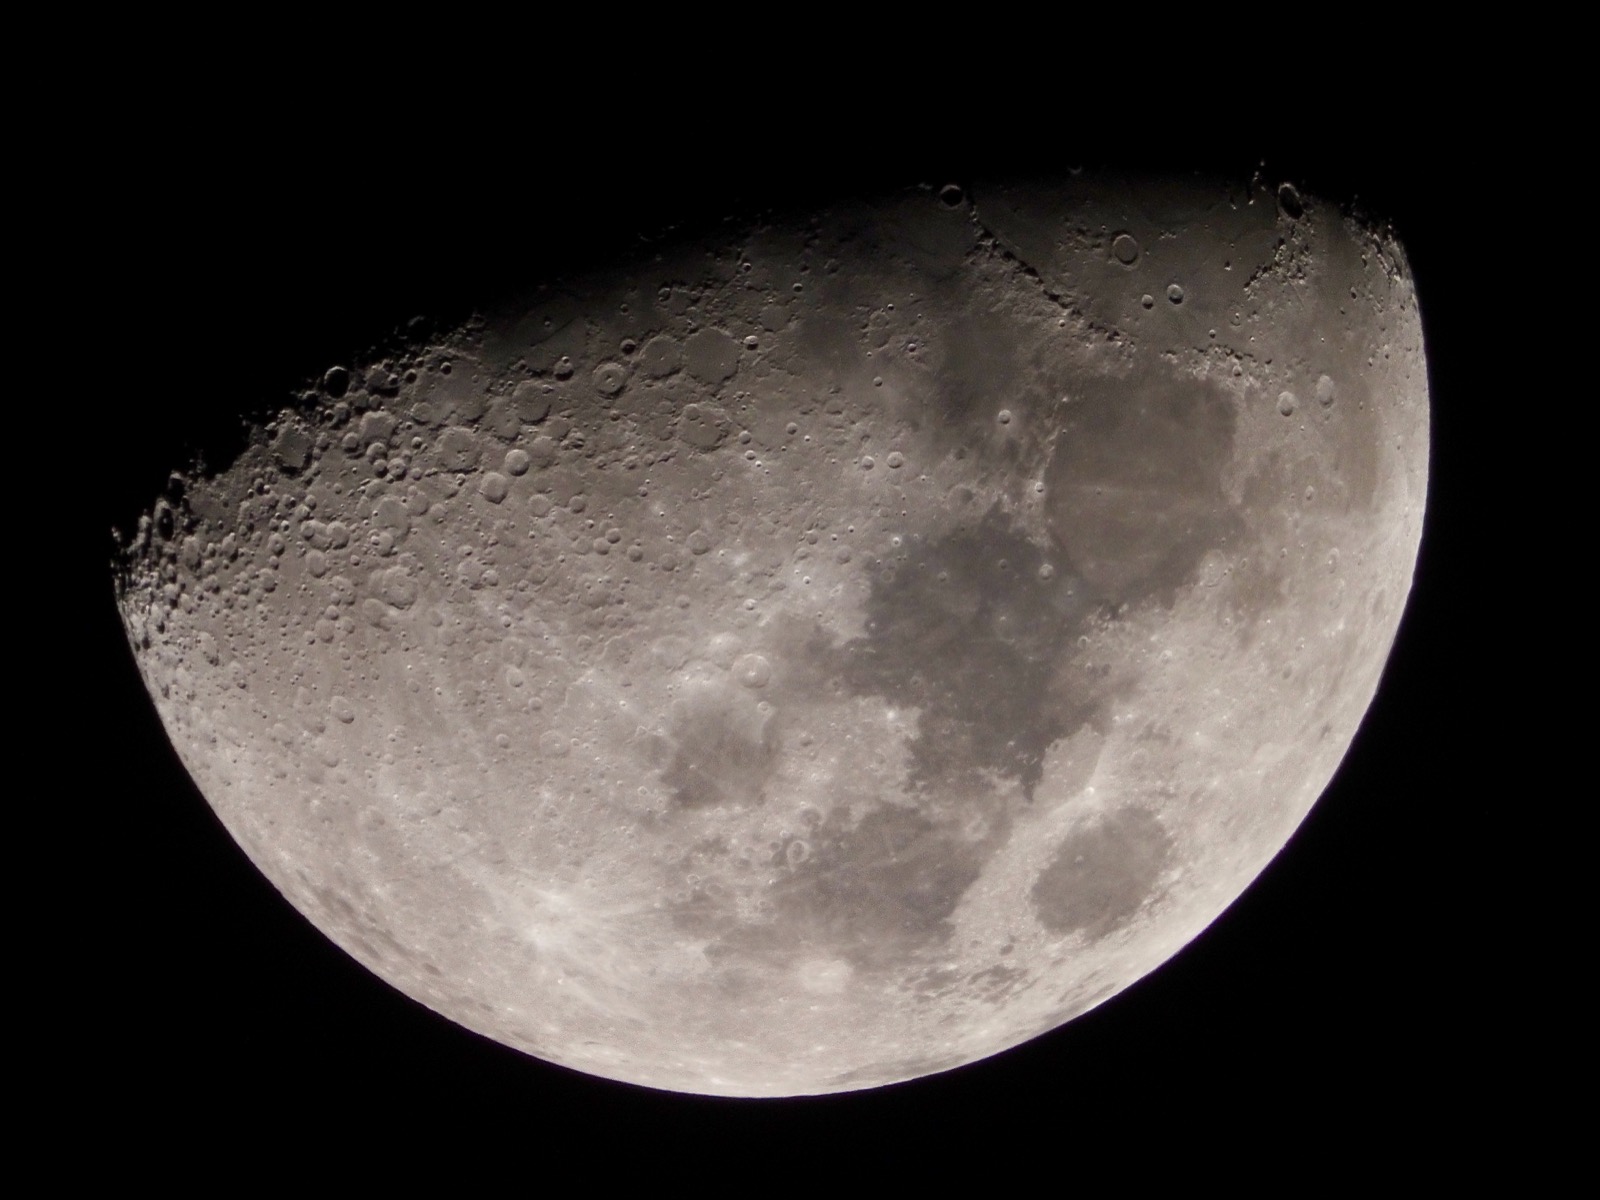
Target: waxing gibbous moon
{"x": 821, "y": 653}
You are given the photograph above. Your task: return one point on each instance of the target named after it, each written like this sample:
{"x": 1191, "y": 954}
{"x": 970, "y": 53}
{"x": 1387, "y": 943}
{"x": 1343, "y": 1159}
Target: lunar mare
{"x": 819, "y": 654}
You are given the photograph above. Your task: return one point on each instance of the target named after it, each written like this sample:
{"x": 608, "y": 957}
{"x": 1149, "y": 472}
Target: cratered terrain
{"x": 818, "y": 653}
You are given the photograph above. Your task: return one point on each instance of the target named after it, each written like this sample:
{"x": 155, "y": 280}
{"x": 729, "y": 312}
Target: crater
{"x": 704, "y": 426}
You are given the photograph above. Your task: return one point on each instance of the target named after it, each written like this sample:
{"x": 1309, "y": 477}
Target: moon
{"x": 818, "y": 653}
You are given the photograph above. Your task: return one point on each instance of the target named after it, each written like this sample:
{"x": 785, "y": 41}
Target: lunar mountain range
{"x": 821, "y": 653}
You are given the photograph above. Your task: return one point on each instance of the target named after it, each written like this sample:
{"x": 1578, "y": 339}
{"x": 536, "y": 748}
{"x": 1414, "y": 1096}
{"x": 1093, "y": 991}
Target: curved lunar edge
{"x": 821, "y": 654}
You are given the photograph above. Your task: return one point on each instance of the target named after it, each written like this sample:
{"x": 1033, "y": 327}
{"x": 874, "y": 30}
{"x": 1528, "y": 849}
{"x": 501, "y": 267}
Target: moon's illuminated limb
{"x": 821, "y": 659}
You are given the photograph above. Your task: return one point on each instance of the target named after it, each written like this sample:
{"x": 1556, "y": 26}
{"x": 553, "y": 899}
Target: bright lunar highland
{"x": 820, "y": 653}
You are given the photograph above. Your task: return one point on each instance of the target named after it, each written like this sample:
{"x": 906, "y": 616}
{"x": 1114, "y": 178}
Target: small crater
{"x": 530, "y": 402}
{"x": 395, "y": 587}
{"x": 711, "y": 355}
{"x": 609, "y": 378}
{"x": 494, "y": 487}
{"x": 458, "y": 449}
{"x": 1289, "y": 200}
{"x": 703, "y": 426}
{"x": 752, "y": 670}
{"x": 661, "y": 356}
{"x": 336, "y": 382}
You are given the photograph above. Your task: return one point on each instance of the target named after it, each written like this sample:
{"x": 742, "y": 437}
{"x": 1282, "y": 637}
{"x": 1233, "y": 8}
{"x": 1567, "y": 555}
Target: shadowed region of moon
{"x": 820, "y": 653}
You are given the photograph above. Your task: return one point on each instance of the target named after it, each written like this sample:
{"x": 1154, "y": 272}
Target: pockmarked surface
{"x": 818, "y": 655}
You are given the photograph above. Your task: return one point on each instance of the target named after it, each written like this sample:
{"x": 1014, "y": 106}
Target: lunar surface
{"x": 815, "y": 655}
